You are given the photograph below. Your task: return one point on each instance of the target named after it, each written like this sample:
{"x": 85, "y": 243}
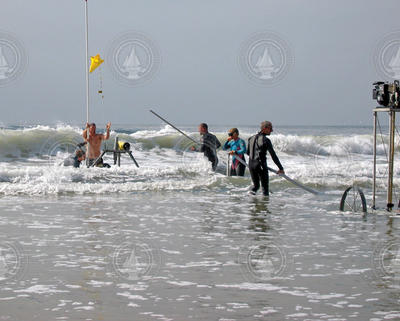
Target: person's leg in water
{"x": 254, "y": 176}
{"x": 241, "y": 169}
{"x": 238, "y": 170}
{"x": 264, "y": 176}
{"x": 214, "y": 164}
{"x": 233, "y": 169}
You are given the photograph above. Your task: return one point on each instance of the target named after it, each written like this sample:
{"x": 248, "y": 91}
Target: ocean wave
{"x": 40, "y": 141}
{"x": 334, "y": 145}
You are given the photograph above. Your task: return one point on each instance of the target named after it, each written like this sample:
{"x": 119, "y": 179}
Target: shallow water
{"x": 172, "y": 240}
{"x": 201, "y": 256}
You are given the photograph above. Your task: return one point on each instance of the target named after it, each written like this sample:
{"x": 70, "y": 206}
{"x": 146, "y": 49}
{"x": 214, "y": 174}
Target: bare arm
{"x": 107, "y": 135}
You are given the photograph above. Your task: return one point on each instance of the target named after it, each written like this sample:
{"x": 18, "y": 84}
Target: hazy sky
{"x": 199, "y": 78}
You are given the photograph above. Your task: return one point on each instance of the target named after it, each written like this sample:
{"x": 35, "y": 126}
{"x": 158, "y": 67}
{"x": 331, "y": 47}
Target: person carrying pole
{"x": 209, "y": 144}
{"x": 257, "y": 148}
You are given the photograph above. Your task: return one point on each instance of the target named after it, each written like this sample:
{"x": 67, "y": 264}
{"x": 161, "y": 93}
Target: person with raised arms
{"x": 95, "y": 141}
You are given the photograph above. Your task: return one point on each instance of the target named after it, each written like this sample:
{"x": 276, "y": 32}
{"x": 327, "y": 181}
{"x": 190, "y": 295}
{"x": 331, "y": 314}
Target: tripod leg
{"x": 133, "y": 158}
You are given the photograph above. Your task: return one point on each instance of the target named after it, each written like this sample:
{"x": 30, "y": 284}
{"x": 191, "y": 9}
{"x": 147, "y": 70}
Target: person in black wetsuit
{"x": 257, "y": 148}
{"x": 208, "y": 145}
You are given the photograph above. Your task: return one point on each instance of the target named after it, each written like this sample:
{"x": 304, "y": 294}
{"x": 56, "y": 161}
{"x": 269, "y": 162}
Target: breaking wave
{"x": 40, "y": 140}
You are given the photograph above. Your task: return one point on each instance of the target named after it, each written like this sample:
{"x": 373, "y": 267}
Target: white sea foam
{"x": 41, "y": 289}
{"x": 181, "y": 283}
{"x": 30, "y": 161}
{"x": 251, "y": 286}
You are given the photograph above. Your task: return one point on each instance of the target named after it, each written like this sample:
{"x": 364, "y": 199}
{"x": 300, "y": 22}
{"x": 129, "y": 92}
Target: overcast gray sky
{"x": 199, "y": 78}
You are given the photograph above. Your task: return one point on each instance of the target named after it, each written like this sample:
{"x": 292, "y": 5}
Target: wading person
{"x": 75, "y": 160}
{"x": 257, "y": 148}
{"x": 209, "y": 144}
{"x": 237, "y": 148}
{"x": 95, "y": 141}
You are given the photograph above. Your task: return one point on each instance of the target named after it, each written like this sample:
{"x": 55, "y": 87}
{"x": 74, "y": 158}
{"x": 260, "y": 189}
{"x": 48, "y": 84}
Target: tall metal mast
{"x": 87, "y": 81}
{"x": 87, "y": 60}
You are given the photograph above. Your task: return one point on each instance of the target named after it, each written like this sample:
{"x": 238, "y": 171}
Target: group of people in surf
{"x": 257, "y": 147}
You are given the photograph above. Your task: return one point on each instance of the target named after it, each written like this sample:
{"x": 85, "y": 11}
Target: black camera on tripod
{"x": 387, "y": 94}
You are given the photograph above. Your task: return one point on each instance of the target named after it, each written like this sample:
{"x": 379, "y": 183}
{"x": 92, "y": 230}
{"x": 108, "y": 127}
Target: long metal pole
{"x": 306, "y": 188}
{"x": 392, "y": 124}
{"x": 374, "y": 173}
{"x": 228, "y": 165}
{"x": 87, "y": 60}
{"x": 166, "y": 121}
{"x": 87, "y": 81}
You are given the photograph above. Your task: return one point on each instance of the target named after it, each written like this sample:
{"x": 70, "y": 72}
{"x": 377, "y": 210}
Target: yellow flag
{"x": 95, "y": 62}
